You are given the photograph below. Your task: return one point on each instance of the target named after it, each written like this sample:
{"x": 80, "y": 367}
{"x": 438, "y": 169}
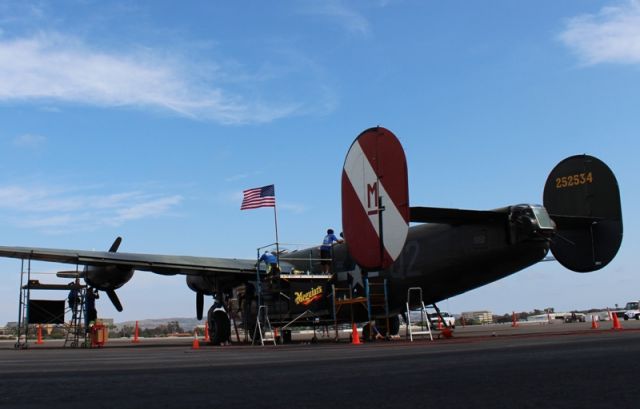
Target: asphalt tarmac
{"x": 563, "y": 366}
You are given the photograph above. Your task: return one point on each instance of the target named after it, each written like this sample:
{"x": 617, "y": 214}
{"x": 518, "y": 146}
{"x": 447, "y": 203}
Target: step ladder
{"x": 263, "y": 327}
{"x": 424, "y": 318}
{"x": 76, "y": 334}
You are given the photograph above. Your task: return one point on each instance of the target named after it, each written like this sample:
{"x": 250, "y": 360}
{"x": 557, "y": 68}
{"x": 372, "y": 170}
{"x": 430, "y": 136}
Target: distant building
{"x": 481, "y": 317}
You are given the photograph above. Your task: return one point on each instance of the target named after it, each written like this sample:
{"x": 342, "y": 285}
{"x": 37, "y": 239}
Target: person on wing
{"x": 271, "y": 261}
{"x": 325, "y": 250}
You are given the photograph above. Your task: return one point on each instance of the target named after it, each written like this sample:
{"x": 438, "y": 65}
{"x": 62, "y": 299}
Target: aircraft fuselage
{"x": 444, "y": 260}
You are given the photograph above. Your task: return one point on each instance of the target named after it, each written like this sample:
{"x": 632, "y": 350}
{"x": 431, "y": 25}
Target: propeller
{"x": 112, "y": 293}
{"x": 199, "y": 304}
{"x": 114, "y": 299}
{"x": 115, "y": 245}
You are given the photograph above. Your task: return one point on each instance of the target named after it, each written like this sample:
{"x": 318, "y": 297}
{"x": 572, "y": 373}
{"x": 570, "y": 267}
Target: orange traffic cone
{"x": 355, "y": 338}
{"x": 514, "y": 322}
{"x": 39, "y": 341}
{"x": 594, "y": 323}
{"x": 206, "y": 331}
{"x": 616, "y": 322}
{"x": 196, "y": 343}
{"x": 135, "y": 334}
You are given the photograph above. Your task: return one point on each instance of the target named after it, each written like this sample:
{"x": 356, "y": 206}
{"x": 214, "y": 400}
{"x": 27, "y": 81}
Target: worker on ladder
{"x": 271, "y": 262}
{"x": 74, "y": 295}
{"x": 325, "y": 250}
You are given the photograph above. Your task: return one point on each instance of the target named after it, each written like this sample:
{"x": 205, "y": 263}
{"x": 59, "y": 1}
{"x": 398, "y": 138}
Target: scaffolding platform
{"x": 32, "y": 311}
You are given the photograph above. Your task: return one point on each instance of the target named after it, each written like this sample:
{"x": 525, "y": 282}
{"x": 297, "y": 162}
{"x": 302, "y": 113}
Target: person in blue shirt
{"x": 325, "y": 250}
{"x": 271, "y": 262}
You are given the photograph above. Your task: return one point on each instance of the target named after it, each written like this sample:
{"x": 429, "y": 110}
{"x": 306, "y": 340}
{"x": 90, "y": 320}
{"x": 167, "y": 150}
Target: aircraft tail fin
{"x": 583, "y": 199}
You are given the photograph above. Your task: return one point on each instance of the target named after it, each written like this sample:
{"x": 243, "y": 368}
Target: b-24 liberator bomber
{"x": 445, "y": 253}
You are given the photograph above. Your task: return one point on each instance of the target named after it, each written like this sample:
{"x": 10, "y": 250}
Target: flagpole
{"x": 275, "y": 218}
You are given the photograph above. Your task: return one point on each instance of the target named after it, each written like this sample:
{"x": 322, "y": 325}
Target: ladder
{"x": 377, "y": 301}
{"x": 23, "y": 306}
{"x": 424, "y": 318}
{"x": 262, "y": 328}
{"x": 376, "y": 293}
{"x": 75, "y": 332}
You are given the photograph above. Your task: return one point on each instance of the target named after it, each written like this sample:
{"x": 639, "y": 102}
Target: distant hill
{"x": 188, "y": 324}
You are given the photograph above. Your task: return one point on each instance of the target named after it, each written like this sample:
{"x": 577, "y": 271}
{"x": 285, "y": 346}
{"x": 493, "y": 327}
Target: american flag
{"x": 264, "y": 196}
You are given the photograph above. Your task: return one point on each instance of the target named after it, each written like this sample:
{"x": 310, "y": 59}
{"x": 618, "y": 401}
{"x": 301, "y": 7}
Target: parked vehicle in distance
{"x": 632, "y": 310}
{"x": 448, "y": 319}
{"x": 575, "y": 317}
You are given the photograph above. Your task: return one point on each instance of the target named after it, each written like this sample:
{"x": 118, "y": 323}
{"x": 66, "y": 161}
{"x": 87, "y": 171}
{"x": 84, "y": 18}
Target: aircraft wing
{"x": 160, "y": 264}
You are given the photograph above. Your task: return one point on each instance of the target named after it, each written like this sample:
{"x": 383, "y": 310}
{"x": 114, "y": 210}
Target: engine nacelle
{"x": 200, "y": 284}
{"x": 108, "y": 278}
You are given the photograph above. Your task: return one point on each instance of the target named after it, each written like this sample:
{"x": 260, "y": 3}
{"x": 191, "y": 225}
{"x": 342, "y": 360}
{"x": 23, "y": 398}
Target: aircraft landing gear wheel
{"x": 219, "y": 327}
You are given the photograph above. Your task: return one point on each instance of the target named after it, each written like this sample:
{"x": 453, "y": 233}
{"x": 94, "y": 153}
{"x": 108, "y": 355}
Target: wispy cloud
{"x": 61, "y": 209}
{"x": 30, "y": 141}
{"x": 149, "y": 207}
{"x": 336, "y": 10}
{"x": 610, "y": 36}
{"x": 50, "y": 66}
{"x": 241, "y": 176}
{"x": 293, "y": 207}
{"x": 236, "y": 177}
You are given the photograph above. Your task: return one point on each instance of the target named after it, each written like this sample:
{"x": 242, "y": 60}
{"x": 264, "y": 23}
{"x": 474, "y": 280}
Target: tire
{"x": 637, "y": 316}
{"x": 219, "y": 327}
{"x": 626, "y": 318}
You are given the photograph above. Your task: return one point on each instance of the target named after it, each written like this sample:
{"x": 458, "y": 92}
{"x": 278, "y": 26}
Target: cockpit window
{"x": 544, "y": 221}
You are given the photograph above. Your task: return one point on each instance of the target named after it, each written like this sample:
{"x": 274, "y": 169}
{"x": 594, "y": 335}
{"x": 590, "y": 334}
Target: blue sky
{"x": 147, "y": 120}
